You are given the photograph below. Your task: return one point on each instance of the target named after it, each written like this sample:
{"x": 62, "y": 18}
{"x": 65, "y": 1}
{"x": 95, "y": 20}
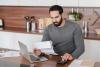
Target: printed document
{"x": 45, "y": 46}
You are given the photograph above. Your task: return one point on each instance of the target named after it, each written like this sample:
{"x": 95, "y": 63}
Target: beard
{"x": 57, "y": 23}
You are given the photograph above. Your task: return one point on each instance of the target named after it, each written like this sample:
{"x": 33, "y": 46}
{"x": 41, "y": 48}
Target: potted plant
{"x": 75, "y": 16}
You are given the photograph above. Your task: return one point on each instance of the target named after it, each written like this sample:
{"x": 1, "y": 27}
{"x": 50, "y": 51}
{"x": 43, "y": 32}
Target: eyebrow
{"x": 55, "y": 17}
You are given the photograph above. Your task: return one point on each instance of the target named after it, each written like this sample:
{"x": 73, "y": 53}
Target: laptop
{"x": 31, "y": 57}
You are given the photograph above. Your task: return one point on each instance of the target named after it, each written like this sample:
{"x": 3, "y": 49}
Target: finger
{"x": 34, "y": 49}
{"x": 70, "y": 58}
{"x": 64, "y": 58}
{"x": 67, "y": 56}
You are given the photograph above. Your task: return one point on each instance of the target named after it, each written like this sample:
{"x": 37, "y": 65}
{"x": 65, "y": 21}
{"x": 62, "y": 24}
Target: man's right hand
{"x": 37, "y": 51}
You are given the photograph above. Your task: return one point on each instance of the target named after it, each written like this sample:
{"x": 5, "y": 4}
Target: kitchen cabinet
{"x": 79, "y": 3}
{"x": 10, "y": 40}
{"x": 37, "y": 2}
{"x": 9, "y": 2}
{"x": 28, "y": 39}
{"x": 92, "y": 50}
{"x": 27, "y": 2}
{"x": 89, "y": 3}
{"x": 68, "y": 3}
{"x": 6, "y": 39}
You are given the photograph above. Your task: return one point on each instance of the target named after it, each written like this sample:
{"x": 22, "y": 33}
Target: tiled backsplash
{"x": 90, "y": 15}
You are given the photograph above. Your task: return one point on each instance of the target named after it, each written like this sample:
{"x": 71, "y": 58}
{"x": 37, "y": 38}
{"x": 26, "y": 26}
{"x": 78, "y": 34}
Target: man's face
{"x": 56, "y": 18}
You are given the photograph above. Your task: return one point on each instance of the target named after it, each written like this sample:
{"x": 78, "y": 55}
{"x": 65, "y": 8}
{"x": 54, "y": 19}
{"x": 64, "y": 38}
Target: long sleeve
{"x": 79, "y": 43}
{"x": 46, "y": 35}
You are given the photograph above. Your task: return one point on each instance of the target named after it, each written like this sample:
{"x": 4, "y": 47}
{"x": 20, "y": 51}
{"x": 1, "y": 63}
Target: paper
{"x": 43, "y": 44}
{"x": 9, "y": 54}
{"x": 46, "y": 47}
{"x": 49, "y": 51}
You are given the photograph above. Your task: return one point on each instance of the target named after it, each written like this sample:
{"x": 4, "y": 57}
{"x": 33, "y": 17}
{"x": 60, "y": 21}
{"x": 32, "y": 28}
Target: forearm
{"x": 78, "y": 52}
{"x": 79, "y": 43}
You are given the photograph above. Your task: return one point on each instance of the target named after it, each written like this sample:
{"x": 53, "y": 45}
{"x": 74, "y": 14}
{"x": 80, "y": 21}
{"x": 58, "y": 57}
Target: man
{"x": 65, "y": 35}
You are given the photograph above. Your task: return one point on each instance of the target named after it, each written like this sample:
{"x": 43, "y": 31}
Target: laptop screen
{"x": 24, "y": 52}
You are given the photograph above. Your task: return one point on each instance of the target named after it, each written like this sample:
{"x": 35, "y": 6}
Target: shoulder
{"x": 73, "y": 24}
{"x": 48, "y": 27}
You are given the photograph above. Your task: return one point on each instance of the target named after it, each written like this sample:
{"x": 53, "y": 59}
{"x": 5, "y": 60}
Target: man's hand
{"x": 67, "y": 57}
{"x": 37, "y": 51}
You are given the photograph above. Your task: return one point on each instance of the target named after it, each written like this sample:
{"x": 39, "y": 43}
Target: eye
{"x": 57, "y": 17}
{"x": 51, "y": 17}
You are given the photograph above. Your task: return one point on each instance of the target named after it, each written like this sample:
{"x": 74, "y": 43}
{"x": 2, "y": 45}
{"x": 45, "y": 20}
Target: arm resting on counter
{"x": 79, "y": 42}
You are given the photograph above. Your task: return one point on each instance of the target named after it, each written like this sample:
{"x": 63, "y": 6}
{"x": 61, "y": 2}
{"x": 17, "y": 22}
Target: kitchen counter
{"x": 19, "y": 30}
{"x": 92, "y": 36}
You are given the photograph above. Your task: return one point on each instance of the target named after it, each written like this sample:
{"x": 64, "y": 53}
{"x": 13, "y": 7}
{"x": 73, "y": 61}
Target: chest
{"x": 60, "y": 35}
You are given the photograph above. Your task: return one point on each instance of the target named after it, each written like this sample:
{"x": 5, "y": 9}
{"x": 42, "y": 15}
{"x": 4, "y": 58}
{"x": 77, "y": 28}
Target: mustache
{"x": 55, "y": 22}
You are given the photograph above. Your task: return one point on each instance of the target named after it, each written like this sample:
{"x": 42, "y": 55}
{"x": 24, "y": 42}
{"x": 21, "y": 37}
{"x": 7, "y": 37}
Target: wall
{"x": 13, "y": 16}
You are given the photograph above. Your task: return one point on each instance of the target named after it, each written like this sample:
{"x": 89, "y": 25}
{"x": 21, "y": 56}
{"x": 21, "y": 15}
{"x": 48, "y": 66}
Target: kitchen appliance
{"x": 1, "y": 24}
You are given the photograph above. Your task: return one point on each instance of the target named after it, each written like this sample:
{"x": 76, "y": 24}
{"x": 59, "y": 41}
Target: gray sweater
{"x": 66, "y": 39}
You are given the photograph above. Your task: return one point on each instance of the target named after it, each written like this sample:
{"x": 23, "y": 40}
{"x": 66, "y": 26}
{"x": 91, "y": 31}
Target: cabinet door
{"x": 9, "y": 2}
{"x": 89, "y": 3}
{"x": 27, "y": 2}
{"x": 28, "y": 39}
{"x": 92, "y": 50}
{"x": 36, "y": 2}
{"x": 68, "y": 3}
{"x": 6, "y": 39}
{"x": 10, "y": 40}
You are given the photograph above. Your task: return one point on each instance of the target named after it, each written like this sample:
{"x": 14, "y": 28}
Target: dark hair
{"x": 56, "y": 8}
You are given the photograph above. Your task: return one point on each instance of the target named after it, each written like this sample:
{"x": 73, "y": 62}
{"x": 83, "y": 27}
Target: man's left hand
{"x": 67, "y": 57}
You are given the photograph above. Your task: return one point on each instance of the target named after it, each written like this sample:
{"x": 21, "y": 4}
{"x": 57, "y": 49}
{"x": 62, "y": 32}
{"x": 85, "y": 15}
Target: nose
{"x": 54, "y": 20}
